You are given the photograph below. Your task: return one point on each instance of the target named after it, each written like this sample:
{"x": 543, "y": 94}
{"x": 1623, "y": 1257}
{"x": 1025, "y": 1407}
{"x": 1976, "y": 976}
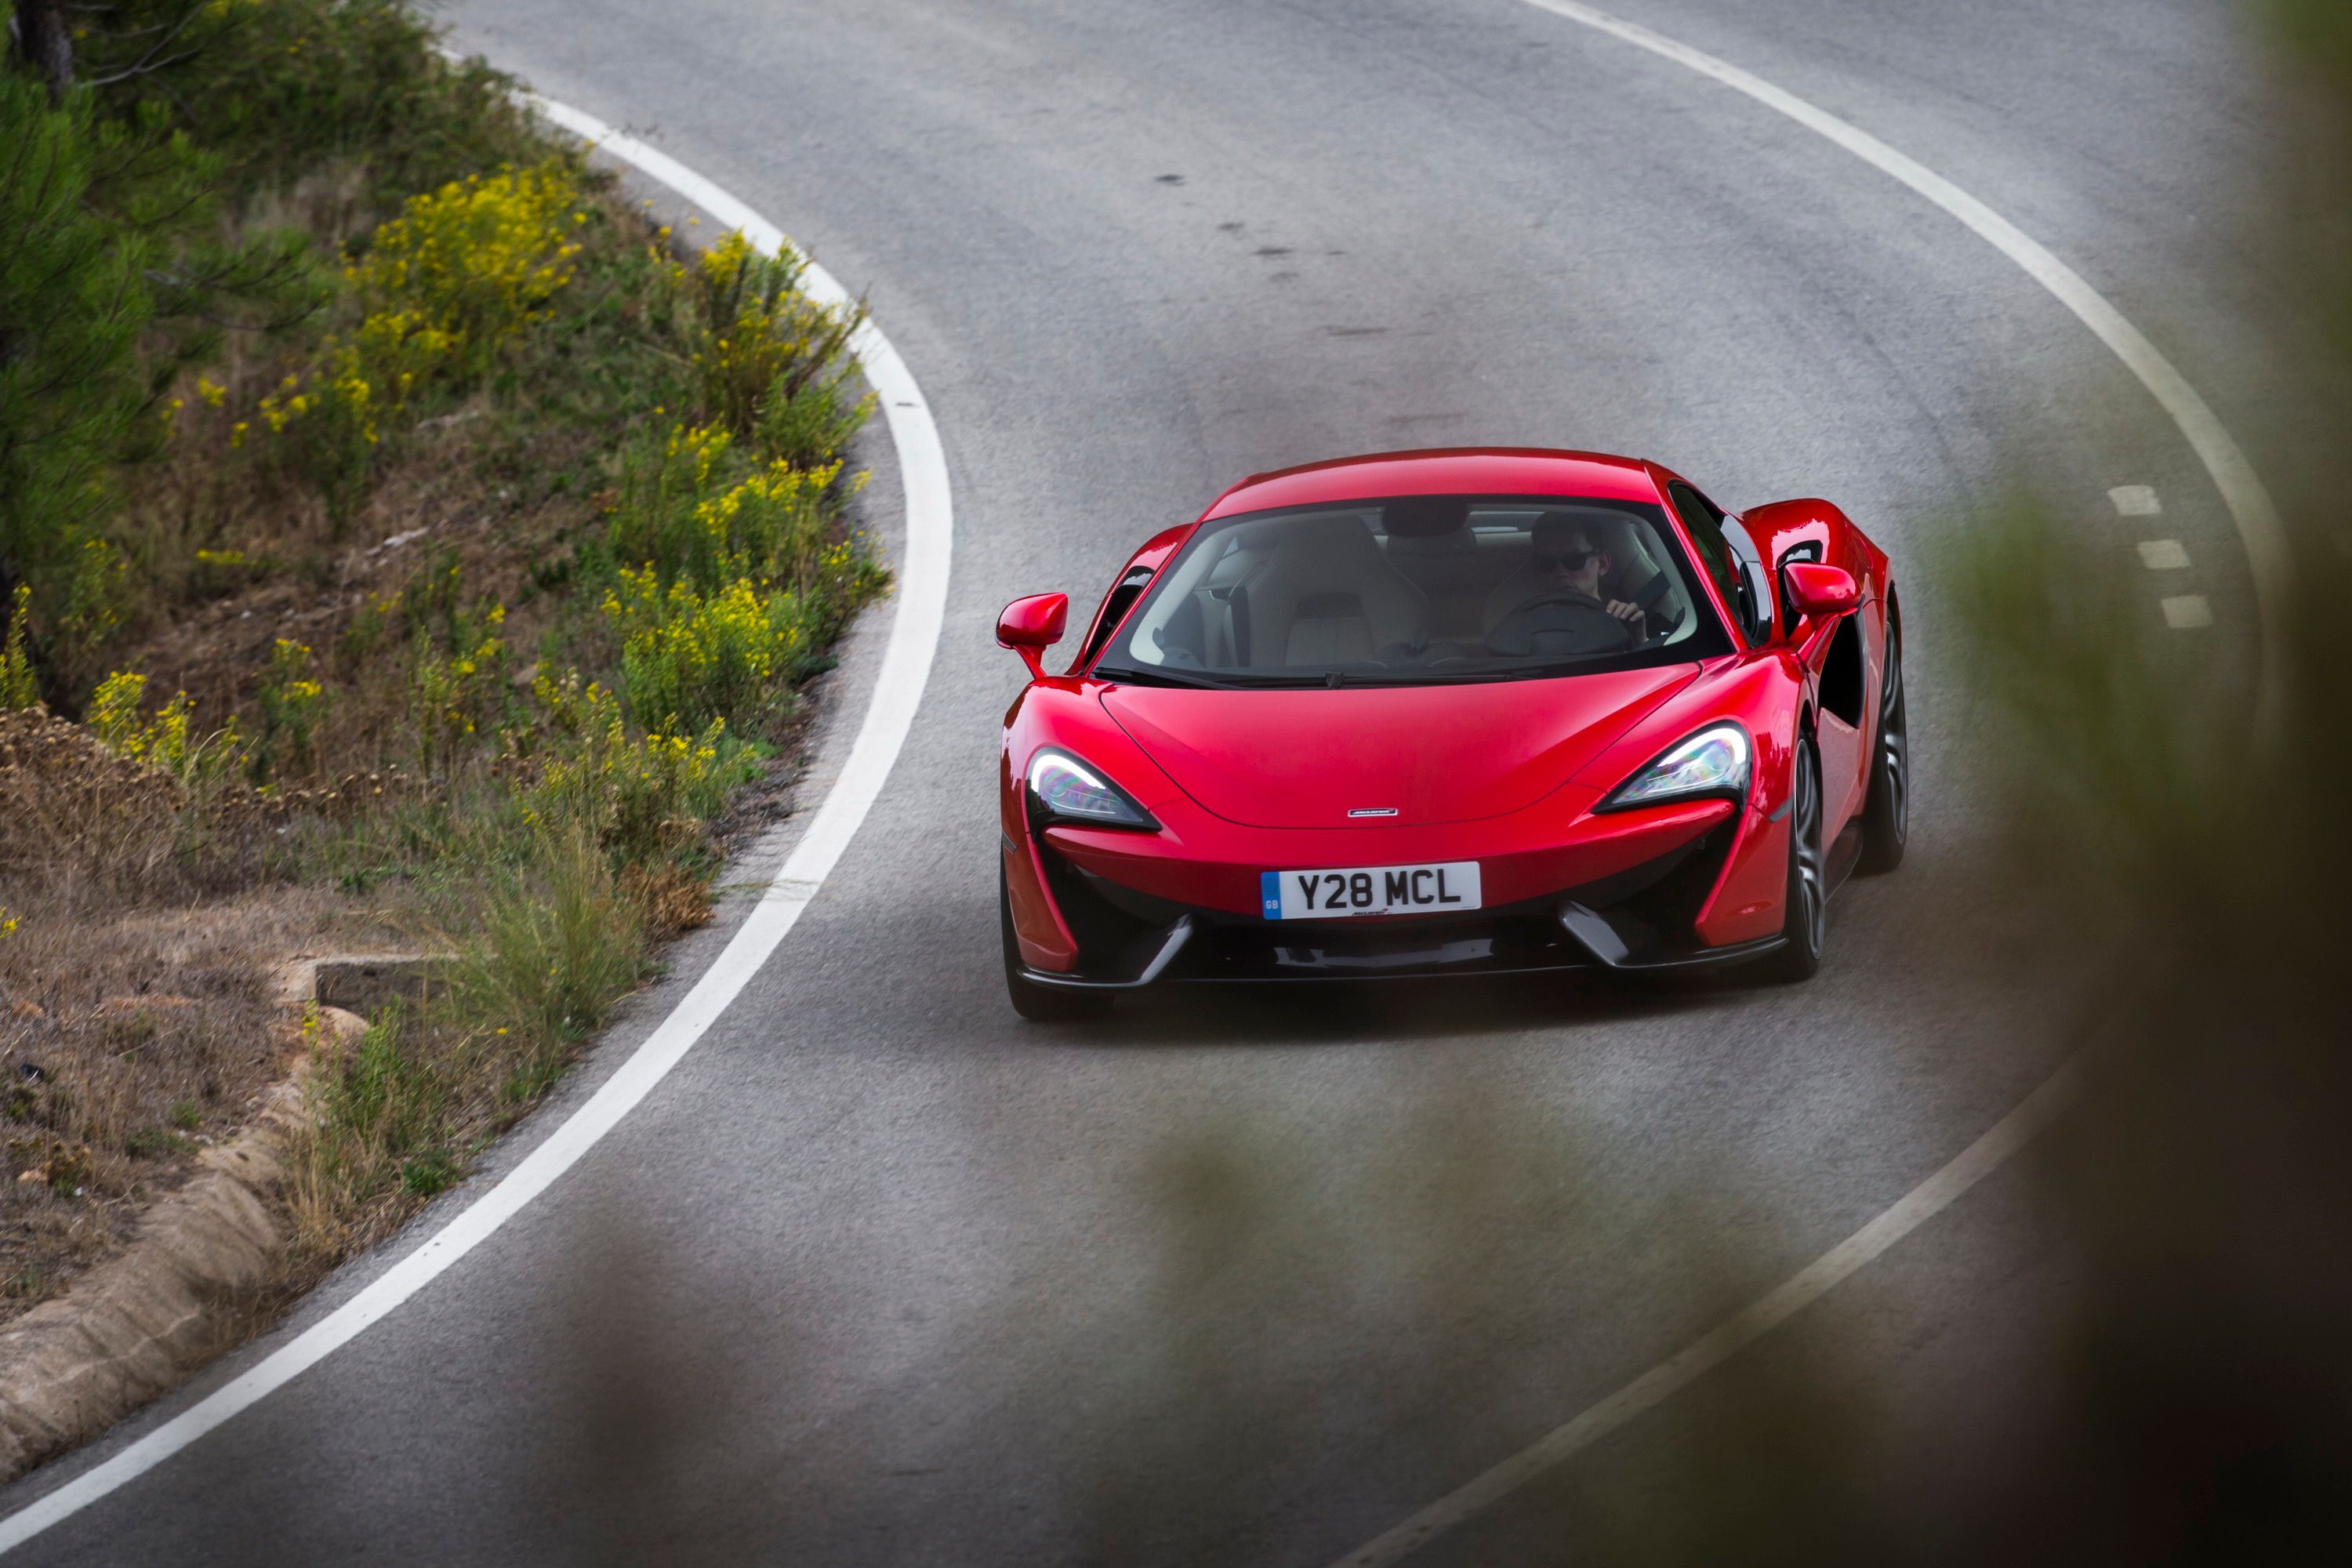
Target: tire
{"x": 1805, "y": 928}
{"x": 1887, "y": 814}
{"x": 1040, "y": 1004}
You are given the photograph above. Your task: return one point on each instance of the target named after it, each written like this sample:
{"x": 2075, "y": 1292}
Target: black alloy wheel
{"x": 1805, "y": 928}
{"x": 1887, "y": 814}
{"x": 1040, "y": 1004}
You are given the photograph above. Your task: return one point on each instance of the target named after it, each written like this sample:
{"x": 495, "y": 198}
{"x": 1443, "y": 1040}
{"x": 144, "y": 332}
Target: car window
{"x": 1115, "y": 607}
{"x": 1419, "y": 590}
{"x": 1730, "y": 558}
{"x": 1706, "y": 525}
{"x": 1754, "y": 583}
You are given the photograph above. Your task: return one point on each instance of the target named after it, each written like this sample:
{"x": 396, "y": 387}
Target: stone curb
{"x": 139, "y": 1323}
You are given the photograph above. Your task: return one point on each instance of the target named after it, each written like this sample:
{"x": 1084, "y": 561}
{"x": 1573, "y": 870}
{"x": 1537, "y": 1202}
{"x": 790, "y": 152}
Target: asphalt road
{"x": 881, "y": 1274}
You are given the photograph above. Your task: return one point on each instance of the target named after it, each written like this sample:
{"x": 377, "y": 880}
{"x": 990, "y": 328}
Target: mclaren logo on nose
{"x": 1374, "y": 811}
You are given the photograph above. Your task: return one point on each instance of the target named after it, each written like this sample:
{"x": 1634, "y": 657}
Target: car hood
{"x": 1429, "y": 754}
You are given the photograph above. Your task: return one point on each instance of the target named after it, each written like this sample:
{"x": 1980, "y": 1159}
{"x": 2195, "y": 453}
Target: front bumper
{"x": 1629, "y": 894}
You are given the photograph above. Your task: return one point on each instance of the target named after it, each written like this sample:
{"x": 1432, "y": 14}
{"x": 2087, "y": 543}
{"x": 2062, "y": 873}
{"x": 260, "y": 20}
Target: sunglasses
{"x": 1565, "y": 561}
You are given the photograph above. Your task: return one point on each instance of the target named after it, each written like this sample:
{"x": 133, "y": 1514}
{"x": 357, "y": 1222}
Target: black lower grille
{"x": 1652, "y": 907}
{"x": 1502, "y": 939}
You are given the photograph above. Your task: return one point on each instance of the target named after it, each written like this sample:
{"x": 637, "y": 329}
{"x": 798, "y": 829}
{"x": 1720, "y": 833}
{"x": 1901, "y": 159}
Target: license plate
{"x": 1370, "y": 890}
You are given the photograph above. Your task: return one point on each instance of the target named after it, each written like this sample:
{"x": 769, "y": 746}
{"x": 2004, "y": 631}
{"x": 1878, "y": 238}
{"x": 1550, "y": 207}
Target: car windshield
{"x": 1418, "y": 590}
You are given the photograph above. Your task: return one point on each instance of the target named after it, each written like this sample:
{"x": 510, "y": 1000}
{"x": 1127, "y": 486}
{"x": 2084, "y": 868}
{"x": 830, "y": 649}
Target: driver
{"x": 1567, "y": 559}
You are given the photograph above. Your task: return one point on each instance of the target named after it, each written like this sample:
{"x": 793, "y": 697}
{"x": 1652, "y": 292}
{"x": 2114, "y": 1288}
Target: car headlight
{"x": 1064, "y": 789}
{"x": 1713, "y": 762}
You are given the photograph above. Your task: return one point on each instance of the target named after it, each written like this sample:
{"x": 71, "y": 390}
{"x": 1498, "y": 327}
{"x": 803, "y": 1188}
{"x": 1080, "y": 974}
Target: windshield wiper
{"x": 1482, "y": 676}
{"x": 1158, "y": 678}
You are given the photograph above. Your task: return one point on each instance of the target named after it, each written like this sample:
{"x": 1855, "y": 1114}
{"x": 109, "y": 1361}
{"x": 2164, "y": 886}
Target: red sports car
{"x": 1452, "y": 712}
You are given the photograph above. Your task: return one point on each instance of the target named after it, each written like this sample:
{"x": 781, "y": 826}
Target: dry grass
{"x": 127, "y": 1043}
{"x": 669, "y": 899}
{"x": 80, "y": 822}
{"x": 138, "y": 1019}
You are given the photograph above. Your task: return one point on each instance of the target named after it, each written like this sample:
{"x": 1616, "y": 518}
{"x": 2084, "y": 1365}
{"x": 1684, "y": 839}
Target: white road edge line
{"x": 906, "y": 668}
{"x": 2264, "y": 536}
{"x": 2258, "y": 527}
{"x": 1930, "y": 1197}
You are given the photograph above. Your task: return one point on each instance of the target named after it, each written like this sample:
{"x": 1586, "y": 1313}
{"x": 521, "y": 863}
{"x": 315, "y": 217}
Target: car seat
{"x": 1448, "y": 570}
{"x": 1328, "y": 595}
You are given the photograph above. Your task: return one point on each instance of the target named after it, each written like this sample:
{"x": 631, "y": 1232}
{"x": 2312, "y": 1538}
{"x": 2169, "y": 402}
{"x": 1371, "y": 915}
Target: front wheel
{"x": 1886, "y": 816}
{"x": 1039, "y": 1004}
{"x": 1805, "y": 928}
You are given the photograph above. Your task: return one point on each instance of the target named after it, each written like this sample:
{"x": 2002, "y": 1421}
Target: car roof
{"x": 1453, "y": 470}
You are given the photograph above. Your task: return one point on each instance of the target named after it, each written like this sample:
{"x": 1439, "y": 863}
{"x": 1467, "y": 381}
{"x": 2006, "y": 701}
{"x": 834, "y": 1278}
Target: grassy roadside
{"x": 405, "y": 544}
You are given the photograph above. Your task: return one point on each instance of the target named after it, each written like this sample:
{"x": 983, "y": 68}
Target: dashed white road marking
{"x": 2163, "y": 555}
{"x": 2251, "y": 508}
{"x": 2187, "y": 612}
{"x": 2264, "y": 537}
{"x": 922, "y": 593}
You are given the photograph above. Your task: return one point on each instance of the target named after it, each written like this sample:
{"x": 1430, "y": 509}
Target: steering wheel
{"x": 1560, "y": 620}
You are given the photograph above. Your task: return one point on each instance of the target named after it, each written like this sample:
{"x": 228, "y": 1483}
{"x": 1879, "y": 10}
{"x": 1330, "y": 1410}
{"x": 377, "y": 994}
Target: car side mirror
{"x": 1817, "y": 589}
{"x": 1030, "y": 626}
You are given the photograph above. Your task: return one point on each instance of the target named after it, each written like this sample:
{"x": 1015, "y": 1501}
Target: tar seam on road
{"x": 906, "y": 668}
{"x": 2264, "y": 536}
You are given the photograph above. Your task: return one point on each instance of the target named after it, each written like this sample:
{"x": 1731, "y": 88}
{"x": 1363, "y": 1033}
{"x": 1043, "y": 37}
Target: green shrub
{"x": 168, "y": 741}
{"x": 688, "y": 659}
{"x": 442, "y": 290}
{"x": 812, "y": 427}
{"x": 279, "y": 88}
{"x": 113, "y": 718}
{"x": 460, "y": 694}
{"x": 371, "y": 1110}
{"x": 664, "y": 479}
{"x": 73, "y": 302}
{"x": 293, "y": 699}
{"x": 470, "y": 264}
{"x": 726, "y": 579}
{"x": 18, "y": 686}
{"x": 113, "y": 276}
{"x": 639, "y": 797}
{"x": 560, "y": 945}
{"x": 688, "y": 511}
{"x": 146, "y": 1140}
{"x": 756, "y": 337}
{"x": 428, "y": 1174}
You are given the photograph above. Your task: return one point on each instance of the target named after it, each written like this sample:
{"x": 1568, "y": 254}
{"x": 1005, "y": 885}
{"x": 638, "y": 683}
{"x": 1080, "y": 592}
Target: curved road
{"x": 880, "y": 1274}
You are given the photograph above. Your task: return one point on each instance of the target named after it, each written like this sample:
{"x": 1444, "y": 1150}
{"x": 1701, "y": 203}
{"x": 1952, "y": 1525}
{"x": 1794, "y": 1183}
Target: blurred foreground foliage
{"x": 2200, "y": 1191}
{"x": 2202, "y": 1187}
